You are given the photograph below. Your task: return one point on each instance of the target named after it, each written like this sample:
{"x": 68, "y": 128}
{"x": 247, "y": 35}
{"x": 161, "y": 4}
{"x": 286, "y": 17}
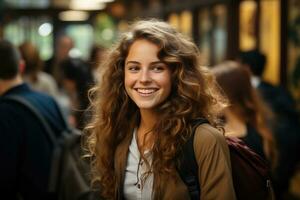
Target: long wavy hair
{"x": 246, "y": 103}
{"x": 115, "y": 115}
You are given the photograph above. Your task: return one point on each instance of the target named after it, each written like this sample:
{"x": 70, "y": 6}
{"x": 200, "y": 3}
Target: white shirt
{"x": 133, "y": 188}
{"x": 44, "y": 83}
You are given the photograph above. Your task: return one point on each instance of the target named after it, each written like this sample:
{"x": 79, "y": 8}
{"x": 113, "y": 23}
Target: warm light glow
{"x": 73, "y": 15}
{"x": 186, "y": 20}
{"x": 247, "y": 38}
{"x": 174, "y": 21}
{"x": 86, "y": 5}
{"x": 104, "y": 1}
{"x": 270, "y": 39}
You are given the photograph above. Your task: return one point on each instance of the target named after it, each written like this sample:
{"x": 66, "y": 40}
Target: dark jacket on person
{"x": 278, "y": 98}
{"x": 25, "y": 149}
{"x": 286, "y": 128}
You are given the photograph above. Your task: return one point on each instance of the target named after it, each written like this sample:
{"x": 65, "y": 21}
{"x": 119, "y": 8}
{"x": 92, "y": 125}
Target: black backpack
{"x": 68, "y": 179}
{"x": 250, "y": 173}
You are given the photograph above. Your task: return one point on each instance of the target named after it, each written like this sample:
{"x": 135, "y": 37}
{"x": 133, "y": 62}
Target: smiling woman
{"x": 152, "y": 89}
{"x": 147, "y": 79}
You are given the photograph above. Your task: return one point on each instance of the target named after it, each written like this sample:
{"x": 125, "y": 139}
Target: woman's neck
{"x": 5, "y": 85}
{"x": 148, "y": 119}
{"x": 144, "y": 131}
{"x": 234, "y": 126}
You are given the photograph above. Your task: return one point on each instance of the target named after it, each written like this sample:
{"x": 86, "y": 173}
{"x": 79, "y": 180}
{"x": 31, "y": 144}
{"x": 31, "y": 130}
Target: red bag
{"x": 250, "y": 173}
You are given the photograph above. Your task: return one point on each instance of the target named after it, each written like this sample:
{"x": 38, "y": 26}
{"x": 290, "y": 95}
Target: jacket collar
{"x": 24, "y": 87}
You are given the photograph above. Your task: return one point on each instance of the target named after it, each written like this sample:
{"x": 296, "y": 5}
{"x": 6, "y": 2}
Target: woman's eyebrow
{"x": 157, "y": 62}
{"x": 132, "y": 62}
{"x": 136, "y": 62}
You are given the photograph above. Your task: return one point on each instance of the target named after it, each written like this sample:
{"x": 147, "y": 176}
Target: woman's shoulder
{"x": 208, "y": 139}
{"x": 213, "y": 158}
{"x": 206, "y": 133}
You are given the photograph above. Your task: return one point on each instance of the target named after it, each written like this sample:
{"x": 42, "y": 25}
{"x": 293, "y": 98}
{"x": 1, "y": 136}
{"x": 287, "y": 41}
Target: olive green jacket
{"x": 212, "y": 155}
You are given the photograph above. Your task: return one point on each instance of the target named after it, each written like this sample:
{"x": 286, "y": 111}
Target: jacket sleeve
{"x": 213, "y": 159}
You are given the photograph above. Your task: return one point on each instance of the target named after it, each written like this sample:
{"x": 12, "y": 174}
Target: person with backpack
{"x": 248, "y": 115}
{"x": 151, "y": 91}
{"x": 286, "y": 124}
{"x": 246, "y": 118}
{"x": 25, "y": 149}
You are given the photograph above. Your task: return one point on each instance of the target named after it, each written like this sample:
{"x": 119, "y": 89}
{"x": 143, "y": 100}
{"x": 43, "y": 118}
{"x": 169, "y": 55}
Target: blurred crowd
{"x": 64, "y": 77}
{"x": 263, "y": 115}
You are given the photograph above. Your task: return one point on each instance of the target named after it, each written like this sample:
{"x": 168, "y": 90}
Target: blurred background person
{"x": 33, "y": 73}
{"x": 77, "y": 79}
{"x": 285, "y": 125}
{"x": 25, "y": 148}
{"x": 277, "y": 97}
{"x": 247, "y": 115}
{"x": 95, "y": 59}
{"x": 62, "y": 49}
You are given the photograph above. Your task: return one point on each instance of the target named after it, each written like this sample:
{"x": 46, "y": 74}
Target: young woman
{"x": 247, "y": 116}
{"x": 152, "y": 88}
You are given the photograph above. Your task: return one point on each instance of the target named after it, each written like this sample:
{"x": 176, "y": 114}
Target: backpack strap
{"x": 36, "y": 113}
{"x": 187, "y": 166}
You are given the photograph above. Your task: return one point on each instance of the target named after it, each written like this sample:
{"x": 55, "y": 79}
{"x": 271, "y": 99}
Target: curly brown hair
{"x": 193, "y": 95}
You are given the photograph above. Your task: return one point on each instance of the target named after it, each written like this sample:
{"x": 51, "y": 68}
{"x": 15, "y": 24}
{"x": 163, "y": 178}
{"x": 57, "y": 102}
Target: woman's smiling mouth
{"x": 146, "y": 91}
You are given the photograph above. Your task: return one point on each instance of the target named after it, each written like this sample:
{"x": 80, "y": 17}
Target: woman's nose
{"x": 145, "y": 76}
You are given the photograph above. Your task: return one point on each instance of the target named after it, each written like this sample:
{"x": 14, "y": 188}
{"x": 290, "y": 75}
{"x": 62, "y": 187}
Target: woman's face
{"x": 147, "y": 79}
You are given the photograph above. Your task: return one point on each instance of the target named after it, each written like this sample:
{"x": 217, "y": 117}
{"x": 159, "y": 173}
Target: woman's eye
{"x": 158, "y": 68}
{"x": 133, "y": 68}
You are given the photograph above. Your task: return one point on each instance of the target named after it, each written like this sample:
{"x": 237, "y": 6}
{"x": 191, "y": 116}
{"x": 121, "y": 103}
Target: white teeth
{"x": 145, "y": 90}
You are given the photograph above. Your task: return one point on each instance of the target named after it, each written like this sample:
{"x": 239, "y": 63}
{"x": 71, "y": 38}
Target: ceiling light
{"x": 86, "y": 5}
{"x": 104, "y": 1}
{"x": 73, "y": 15}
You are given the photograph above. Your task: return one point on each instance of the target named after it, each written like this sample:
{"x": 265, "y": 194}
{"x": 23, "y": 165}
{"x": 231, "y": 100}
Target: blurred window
{"x": 33, "y": 29}
{"x": 205, "y": 29}
{"x": 186, "y": 22}
{"x": 82, "y": 34}
{"x": 213, "y": 33}
{"x": 182, "y": 22}
{"x": 219, "y": 34}
{"x": 248, "y": 13}
{"x": 27, "y": 3}
{"x": 105, "y": 30}
{"x": 269, "y": 34}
